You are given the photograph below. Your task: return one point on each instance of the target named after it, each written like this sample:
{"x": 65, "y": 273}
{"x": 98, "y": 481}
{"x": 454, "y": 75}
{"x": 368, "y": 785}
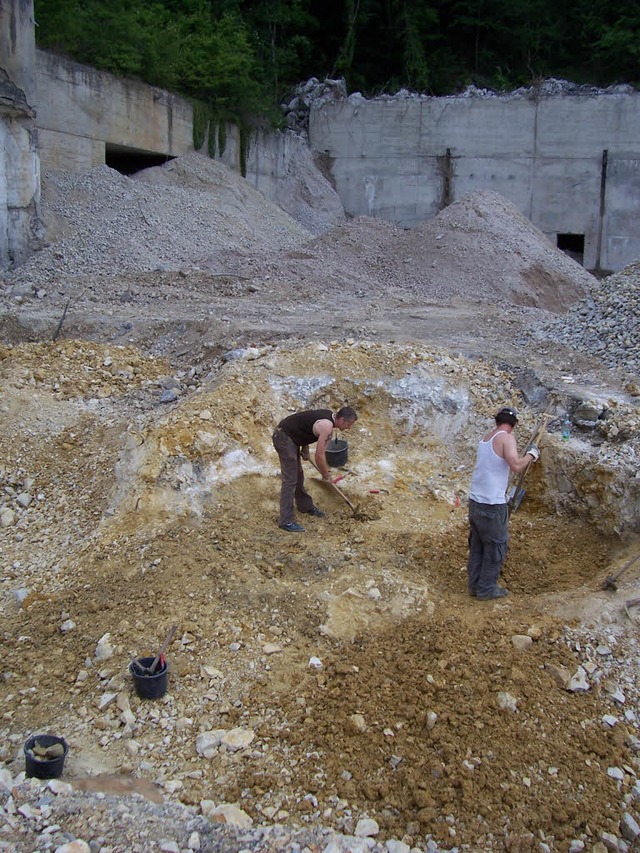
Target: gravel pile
{"x": 606, "y": 323}
{"x": 195, "y": 214}
{"x": 183, "y": 215}
{"x": 194, "y": 217}
{"x": 52, "y": 815}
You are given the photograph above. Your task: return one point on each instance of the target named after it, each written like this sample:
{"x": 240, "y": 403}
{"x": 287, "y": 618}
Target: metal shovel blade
{"x": 515, "y": 499}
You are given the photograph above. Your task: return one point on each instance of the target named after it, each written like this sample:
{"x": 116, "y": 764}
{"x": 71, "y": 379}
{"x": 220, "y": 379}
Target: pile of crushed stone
{"x": 184, "y": 214}
{"x": 194, "y": 214}
{"x": 483, "y": 248}
{"x": 606, "y": 323}
{"x": 479, "y": 249}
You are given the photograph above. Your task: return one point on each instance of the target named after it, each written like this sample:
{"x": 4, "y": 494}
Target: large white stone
{"x": 226, "y": 813}
{"x": 237, "y": 738}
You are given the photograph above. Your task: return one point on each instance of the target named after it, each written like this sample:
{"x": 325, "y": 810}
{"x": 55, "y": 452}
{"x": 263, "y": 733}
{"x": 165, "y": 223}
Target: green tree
{"x": 242, "y": 56}
{"x": 612, "y": 33}
{"x": 189, "y": 50}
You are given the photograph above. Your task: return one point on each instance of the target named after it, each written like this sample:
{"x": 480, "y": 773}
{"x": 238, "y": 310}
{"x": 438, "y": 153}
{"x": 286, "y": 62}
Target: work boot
{"x": 317, "y": 512}
{"x": 292, "y": 527}
{"x": 497, "y": 592}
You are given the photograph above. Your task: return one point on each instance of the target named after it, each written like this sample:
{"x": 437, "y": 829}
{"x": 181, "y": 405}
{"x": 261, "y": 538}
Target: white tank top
{"x": 490, "y": 476}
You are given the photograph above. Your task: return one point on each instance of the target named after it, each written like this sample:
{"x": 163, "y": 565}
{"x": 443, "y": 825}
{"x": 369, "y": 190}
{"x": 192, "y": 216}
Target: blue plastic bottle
{"x": 566, "y": 429}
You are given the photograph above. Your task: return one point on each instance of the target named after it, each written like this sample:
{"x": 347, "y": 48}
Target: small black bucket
{"x": 149, "y": 685}
{"x": 44, "y": 756}
{"x": 336, "y": 452}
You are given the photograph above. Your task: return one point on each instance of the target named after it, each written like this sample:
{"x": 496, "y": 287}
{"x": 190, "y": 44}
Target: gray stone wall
{"x": 404, "y": 159}
{"x": 19, "y": 189}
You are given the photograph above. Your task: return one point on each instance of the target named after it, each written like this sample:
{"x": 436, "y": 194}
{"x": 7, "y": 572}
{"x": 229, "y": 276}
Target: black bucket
{"x": 149, "y": 685}
{"x": 42, "y": 766}
{"x": 336, "y": 452}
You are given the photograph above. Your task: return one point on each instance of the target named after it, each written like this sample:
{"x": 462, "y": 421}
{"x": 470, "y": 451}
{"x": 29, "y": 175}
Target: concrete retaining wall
{"x": 19, "y": 162}
{"x": 405, "y": 159}
{"x": 570, "y": 163}
{"x": 80, "y": 111}
{"x": 19, "y": 189}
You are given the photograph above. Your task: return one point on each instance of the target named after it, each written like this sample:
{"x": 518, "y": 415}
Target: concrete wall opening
{"x": 572, "y": 245}
{"x": 128, "y": 161}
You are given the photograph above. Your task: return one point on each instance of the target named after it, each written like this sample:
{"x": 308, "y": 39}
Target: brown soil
{"x": 147, "y": 515}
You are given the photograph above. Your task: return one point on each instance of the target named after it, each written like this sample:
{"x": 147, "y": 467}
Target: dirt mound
{"x": 194, "y": 214}
{"x": 480, "y": 249}
{"x": 183, "y": 214}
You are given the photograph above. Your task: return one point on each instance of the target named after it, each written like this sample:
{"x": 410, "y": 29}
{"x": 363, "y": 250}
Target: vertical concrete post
{"x": 445, "y": 167}
{"x": 603, "y": 208}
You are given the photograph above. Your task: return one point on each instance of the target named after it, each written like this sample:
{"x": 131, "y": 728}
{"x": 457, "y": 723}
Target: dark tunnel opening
{"x": 128, "y": 161}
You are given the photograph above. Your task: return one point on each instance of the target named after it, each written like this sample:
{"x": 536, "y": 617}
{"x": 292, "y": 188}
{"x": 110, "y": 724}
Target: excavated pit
{"x": 326, "y": 680}
{"x": 421, "y": 704}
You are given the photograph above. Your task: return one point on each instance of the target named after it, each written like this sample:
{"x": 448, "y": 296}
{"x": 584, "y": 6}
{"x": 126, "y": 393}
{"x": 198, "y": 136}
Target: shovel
{"x": 610, "y": 580}
{"x": 516, "y": 491}
{"x": 338, "y": 490}
{"x": 149, "y": 670}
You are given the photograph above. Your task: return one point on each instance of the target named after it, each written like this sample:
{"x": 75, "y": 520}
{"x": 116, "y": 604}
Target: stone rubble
{"x": 54, "y": 816}
{"x": 155, "y": 738}
{"x": 606, "y": 323}
{"x": 313, "y": 93}
{"x": 105, "y": 223}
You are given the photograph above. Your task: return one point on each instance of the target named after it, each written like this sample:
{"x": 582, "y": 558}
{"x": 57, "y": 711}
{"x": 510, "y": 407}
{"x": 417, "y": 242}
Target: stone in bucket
{"x": 44, "y": 756}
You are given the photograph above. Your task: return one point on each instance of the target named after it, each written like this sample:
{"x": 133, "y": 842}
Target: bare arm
{"x": 507, "y": 448}
{"x": 323, "y": 429}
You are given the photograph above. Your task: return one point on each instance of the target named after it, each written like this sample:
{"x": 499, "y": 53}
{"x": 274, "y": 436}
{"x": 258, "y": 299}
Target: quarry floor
{"x": 364, "y": 681}
{"x": 378, "y": 597}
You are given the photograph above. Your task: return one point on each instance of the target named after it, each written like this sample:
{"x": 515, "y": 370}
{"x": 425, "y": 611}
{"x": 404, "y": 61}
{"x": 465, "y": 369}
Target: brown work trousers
{"x": 292, "y": 488}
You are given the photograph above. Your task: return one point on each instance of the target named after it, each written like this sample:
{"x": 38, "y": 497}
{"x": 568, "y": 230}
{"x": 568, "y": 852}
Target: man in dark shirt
{"x": 291, "y": 439}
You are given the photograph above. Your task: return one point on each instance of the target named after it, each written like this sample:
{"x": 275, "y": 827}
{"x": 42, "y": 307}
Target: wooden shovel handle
{"x": 626, "y": 566}
{"x": 163, "y": 649}
{"x": 333, "y": 485}
{"x": 343, "y": 496}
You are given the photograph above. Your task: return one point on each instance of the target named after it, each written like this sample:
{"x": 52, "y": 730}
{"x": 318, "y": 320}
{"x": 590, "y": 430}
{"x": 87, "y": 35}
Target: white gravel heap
{"x": 606, "y": 323}
{"x": 184, "y": 214}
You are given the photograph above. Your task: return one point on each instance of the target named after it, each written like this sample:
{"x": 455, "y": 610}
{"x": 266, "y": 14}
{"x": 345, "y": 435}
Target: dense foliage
{"x": 242, "y": 56}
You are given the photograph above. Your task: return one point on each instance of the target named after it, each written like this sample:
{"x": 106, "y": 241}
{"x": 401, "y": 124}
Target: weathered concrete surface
{"x": 17, "y": 43}
{"x": 404, "y": 159}
{"x": 82, "y": 110}
{"x": 19, "y": 162}
{"x": 19, "y": 189}
{"x": 281, "y": 166}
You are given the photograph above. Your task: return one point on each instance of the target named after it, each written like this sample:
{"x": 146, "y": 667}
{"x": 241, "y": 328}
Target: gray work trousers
{"x": 488, "y": 544}
{"x": 292, "y": 487}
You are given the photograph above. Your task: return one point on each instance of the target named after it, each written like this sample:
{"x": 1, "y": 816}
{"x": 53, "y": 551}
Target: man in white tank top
{"x": 488, "y": 512}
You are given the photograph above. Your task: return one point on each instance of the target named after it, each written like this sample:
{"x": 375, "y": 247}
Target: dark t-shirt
{"x": 299, "y": 427}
